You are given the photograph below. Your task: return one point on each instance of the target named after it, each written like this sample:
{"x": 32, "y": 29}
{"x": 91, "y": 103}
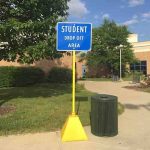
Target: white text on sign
{"x": 73, "y": 37}
{"x": 78, "y": 29}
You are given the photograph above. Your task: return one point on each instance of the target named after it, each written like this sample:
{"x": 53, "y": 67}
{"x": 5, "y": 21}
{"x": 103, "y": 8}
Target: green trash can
{"x": 104, "y": 115}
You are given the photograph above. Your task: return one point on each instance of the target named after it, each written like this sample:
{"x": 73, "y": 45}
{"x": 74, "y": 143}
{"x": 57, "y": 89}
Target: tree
{"x": 106, "y": 46}
{"x": 27, "y": 29}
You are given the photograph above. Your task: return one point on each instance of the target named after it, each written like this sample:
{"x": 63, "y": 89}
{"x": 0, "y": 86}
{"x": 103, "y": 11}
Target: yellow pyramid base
{"x": 73, "y": 130}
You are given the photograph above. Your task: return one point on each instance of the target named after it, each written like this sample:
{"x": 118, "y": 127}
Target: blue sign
{"x": 74, "y": 36}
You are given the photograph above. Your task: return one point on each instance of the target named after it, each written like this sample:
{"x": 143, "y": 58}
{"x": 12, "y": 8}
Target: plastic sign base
{"x": 73, "y": 130}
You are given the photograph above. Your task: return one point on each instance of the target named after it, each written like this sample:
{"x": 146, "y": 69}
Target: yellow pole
{"x": 72, "y": 129}
{"x": 73, "y": 82}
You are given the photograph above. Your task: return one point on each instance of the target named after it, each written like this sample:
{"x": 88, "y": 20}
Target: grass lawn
{"x": 42, "y": 107}
{"x": 108, "y": 79}
{"x": 128, "y": 78}
{"x": 98, "y": 79}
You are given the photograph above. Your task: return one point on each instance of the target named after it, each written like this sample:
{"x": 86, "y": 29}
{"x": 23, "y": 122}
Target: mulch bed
{"x": 136, "y": 87}
{"x": 6, "y": 109}
{"x": 132, "y": 87}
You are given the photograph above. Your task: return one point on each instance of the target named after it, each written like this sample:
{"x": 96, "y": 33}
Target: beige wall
{"x": 5, "y": 63}
{"x": 141, "y": 46}
{"x": 133, "y": 38}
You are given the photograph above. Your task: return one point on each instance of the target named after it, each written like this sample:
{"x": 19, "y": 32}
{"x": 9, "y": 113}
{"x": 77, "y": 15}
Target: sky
{"x": 133, "y": 13}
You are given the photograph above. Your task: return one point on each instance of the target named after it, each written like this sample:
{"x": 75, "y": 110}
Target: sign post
{"x": 73, "y": 82}
{"x": 73, "y": 37}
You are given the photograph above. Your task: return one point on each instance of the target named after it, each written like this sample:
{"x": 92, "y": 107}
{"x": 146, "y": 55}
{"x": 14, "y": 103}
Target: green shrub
{"x": 6, "y": 78}
{"x": 137, "y": 76}
{"x": 20, "y": 76}
{"x": 60, "y": 75}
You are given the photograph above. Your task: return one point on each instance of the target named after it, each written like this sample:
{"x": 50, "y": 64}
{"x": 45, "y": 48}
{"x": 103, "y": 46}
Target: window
{"x": 140, "y": 66}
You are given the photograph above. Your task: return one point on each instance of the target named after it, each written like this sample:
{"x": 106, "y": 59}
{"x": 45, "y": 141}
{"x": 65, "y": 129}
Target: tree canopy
{"x": 107, "y": 41}
{"x": 27, "y": 29}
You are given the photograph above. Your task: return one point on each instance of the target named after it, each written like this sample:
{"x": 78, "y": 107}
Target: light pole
{"x": 120, "y": 46}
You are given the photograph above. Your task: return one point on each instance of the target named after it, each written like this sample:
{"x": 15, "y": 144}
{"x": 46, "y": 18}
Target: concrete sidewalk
{"x": 52, "y": 141}
{"x": 134, "y": 126}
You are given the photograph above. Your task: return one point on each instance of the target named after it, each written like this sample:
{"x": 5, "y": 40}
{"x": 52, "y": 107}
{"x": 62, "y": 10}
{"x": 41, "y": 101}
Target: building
{"x": 141, "y": 50}
{"x": 142, "y": 53}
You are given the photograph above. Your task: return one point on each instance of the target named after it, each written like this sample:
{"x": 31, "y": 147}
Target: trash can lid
{"x": 104, "y": 97}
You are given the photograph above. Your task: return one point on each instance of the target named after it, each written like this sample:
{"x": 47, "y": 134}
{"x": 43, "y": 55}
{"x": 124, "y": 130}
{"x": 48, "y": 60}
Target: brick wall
{"x": 46, "y": 65}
